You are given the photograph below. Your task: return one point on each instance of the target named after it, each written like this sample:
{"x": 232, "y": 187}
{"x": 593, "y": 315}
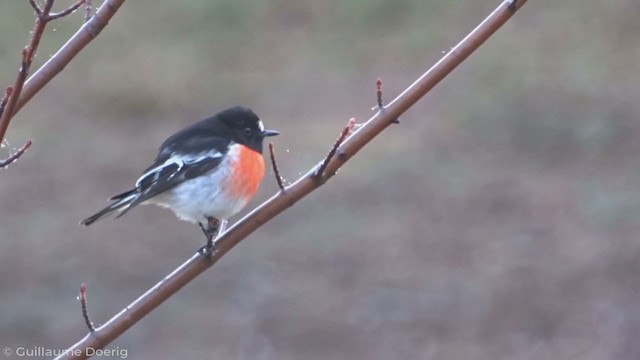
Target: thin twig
{"x": 379, "y": 93}
{"x": 274, "y": 165}
{"x": 13, "y": 157}
{"x": 379, "y": 98}
{"x": 20, "y": 79}
{"x": 5, "y": 98}
{"x": 35, "y": 7}
{"x": 85, "y": 311}
{"x": 343, "y": 135}
{"x": 88, "y": 9}
{"x": 66, "y": 11}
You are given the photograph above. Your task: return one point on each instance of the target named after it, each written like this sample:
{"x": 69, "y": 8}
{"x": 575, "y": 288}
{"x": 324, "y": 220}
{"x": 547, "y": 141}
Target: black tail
{"x": 122, "y": 201}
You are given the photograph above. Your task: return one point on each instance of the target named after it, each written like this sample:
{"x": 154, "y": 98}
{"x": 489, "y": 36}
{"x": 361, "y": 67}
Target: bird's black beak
{"x": 267, "y": 133}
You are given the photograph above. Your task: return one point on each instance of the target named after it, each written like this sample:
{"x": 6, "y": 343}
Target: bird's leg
{"x": 222, "y": 228}
{"x": 211, "y": 230}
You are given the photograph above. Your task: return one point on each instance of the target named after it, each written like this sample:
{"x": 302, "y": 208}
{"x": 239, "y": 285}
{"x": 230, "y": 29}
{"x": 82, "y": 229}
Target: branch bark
{"x": 28, "y": 54}
{"x": 89, "y": 31}
{"x": 24, "y": 89}
{"x": 386, "y": 116}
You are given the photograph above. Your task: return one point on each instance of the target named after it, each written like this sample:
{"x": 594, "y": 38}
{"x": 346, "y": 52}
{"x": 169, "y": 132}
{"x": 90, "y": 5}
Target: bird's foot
{"x": 208, "y": 248}
{"x": 211, "y": 230}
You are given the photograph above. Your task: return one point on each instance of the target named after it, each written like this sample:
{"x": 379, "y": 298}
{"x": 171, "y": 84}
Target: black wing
{"x": 189, "y": 153}
{"x": 163, "y": 176}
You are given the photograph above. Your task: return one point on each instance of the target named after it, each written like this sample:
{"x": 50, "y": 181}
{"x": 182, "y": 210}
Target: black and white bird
{"x": 204, "y": 173}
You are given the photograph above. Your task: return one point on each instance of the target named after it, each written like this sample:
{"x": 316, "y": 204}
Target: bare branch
{"x": 13, "y": 157}
{"x": 68, "y": 51}
{"x": 274, "y": 164}
{"x": 24, "y": 89}
{"x": 66, "y": 11}
{"x": 281, "y": 201}
{"x": 11, "y": 106}
{"x": 85, "y": 311}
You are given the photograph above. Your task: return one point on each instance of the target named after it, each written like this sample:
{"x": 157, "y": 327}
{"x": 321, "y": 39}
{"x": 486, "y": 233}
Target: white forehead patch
{"x": 260, "y": 125}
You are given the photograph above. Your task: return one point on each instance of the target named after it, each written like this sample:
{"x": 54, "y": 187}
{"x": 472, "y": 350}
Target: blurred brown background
{"x": 499, "y": 220}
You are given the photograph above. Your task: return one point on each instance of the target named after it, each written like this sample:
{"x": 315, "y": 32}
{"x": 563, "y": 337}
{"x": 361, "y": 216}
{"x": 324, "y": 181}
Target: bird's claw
{"x": 210, "y": 232}
{"x": 208, "y": 249}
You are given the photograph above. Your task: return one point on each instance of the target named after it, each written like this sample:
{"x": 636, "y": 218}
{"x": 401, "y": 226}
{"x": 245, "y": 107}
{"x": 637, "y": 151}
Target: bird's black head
{"x": 243, "y": 126}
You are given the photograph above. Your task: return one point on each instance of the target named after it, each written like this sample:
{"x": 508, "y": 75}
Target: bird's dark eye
{"x": 248, "y": 131}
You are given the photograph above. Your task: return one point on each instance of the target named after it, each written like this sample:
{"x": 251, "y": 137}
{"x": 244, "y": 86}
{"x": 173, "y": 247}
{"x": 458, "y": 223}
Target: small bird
{"x": 204, "y": 173}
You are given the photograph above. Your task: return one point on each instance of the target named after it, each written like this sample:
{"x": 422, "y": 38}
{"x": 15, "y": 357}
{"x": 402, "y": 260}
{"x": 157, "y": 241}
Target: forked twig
{"x": 35, "y": 7}
{"x": 23, "y": 90}
{"x": 56, "y": 63}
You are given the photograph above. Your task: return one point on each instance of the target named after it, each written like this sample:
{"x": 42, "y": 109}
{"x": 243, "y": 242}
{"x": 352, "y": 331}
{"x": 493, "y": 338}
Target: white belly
{"x": 197, "y": 198}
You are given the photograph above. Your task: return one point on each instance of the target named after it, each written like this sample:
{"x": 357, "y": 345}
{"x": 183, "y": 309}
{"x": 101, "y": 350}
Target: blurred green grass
{"x": 498, "y": 220}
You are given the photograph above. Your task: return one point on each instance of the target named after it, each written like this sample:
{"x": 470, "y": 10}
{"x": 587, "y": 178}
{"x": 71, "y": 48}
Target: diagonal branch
{"x": 89, "y": 31}
{"x": 279, "y": 202}
{"x": 24, "y": 89}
